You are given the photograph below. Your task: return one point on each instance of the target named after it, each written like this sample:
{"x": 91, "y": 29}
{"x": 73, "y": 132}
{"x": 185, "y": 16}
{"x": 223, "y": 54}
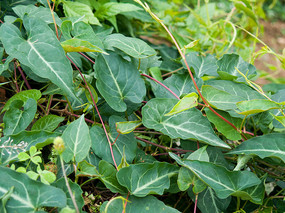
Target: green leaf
{"x": 93, "y": 92}
{"x": 223, "y": 181}
{"x": 180, "y": 84}
{"x": 77, "y": 141}
{"x": 87, "y": 169}
{"x": 256, "y": 106}
{"x": 109, "y": 178}
{"x": 5, "y": 197}
{"x": 138, "y": 205}
{"x": 12, "y": 145}
{"x": 78, "y": 45}
{"x": 116, "y": 83}
{"x": 186, "y": 178}
{"x": 23, "y": 156}
{"x": 187, "y": 102}
{"x": 208, "y": 202}
{"x": 125, "y": 143}
{"x": 82, "y": 31}
{"x": 127, "y": 127}
{"x": 47, "y": 177}
{"x": 228, "y": 65}
{"x": 15, "y": 119}
{"x": 278, "y": 97}
{"x": 134, "y": 47}
{"x": 247, "y": 10}
{"x": 223, "y": 127}
{"x": 270, "y": 145}
{"x": 156, "y": 73}
{"x": 147, "y": 178}
{"x": 77, "y": 9}
{"x": 256, "y": 193}
{"x": 37, "y": 12}
{"x": 110, "y": 9}
{"x": 47, "y": 123}
{"x": 202, "y": 65}
{"x": 189, "y": 124}
{"x": 76, "y": 191}
{"x": 40, "y": 49}
{"x": 23, "y": 96}
{"x": 24, "y": 197}
{"x": 224, "y": 95}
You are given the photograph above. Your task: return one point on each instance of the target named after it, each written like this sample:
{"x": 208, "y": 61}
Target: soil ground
{"x": 274, "y": 37}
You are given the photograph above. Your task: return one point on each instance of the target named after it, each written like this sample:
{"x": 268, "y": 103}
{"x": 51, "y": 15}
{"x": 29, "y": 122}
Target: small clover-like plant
{"x": 32, "y": 156}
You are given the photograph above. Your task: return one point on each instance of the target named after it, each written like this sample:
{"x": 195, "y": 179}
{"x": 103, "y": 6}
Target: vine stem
{"x": 55, "y": 25}
{"x": 15, "y": 74}
{"x": 23, "y": 75}
{"x": 67, "y": 184}
{"x": 146, "y": 7}
{"x": 71, "y": 114}
{"x": 126, "y": 202}
{"x": 163, "y": 147}
{"x": 94, "y": 102}
{"x": 169, "y": 90}
{"x": 196, "y": 201}
{"x": 85, "y": 56}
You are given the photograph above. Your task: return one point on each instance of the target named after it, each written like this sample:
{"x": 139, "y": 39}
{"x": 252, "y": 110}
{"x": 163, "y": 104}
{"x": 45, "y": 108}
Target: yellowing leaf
{"x": 127, "y": 127}
{"x": 256, "y": 106}
{"x": 187, "y": 102}
{"x": 78, "y": 45}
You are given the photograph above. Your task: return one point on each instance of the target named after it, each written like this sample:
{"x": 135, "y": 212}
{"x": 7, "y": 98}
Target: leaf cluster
{"x": 101, "y": 117}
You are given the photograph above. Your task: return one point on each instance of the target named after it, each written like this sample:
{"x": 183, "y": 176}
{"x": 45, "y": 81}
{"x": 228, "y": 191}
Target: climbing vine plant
{"x": 99, "y": 119}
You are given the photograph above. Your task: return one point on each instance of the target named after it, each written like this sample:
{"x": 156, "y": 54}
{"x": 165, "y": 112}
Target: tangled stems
{"x": 147, "y": 9}
{"x": 94, "y": 102}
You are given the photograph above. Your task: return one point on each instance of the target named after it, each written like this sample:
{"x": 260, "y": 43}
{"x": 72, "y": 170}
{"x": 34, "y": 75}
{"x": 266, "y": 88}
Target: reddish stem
{"x": 161, "y": 85}
{"x": 163, "y": 147}
{"x": 71, "y": 114}
{"x": 15, "y": 74}
{"x": 85, "y": 56}
{"x": 23, "y": 76}
{"x": 126, "y": 203}
{"x": 116, "y": 139}
{"x": 94, "y": 102}
{"x": 196, "y": 201}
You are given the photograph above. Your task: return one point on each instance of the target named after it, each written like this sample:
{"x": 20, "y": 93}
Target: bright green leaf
{"x": 224, "y": 127}
{"x": 187, "y": 102}
{"x": 256, "y": 106}
{"x": 78, "y": 45}
{"x": 127, "y": 127}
